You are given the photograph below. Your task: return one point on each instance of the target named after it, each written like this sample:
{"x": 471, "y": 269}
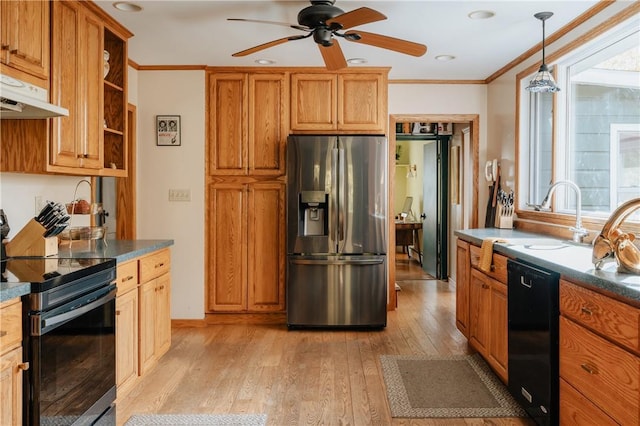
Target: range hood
{"x": 20, "y": 100}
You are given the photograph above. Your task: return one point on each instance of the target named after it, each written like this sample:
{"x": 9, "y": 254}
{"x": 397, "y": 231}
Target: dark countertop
{"x": 121, "y": 250}
{"x": 571, "y": 260}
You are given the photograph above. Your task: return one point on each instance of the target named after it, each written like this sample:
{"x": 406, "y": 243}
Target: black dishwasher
{"x": 533, "y": 340}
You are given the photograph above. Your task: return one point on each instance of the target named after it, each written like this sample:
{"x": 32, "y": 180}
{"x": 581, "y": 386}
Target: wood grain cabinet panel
{"x": 246, "y": 243}
{"x": 362, "y": 102}
{"x": 126, "y": 338}
{"x": 463, "y": 273}
{"x": 479, "y": 310}
{"x": 314, "y": 101}
{"x": 578, "y": 410}
{"x": 247, "y": 123}
{"x": 11, "y": 364}
{"x": 498, "y": 343}
{"x": 604, "y": 373}
{"x": 24, "y": 39}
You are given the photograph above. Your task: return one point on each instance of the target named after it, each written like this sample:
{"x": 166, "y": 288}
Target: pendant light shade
{"x": 543, "y": 80}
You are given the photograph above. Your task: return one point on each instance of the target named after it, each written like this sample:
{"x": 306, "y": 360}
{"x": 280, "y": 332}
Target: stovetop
{"x": 46, "y": 273}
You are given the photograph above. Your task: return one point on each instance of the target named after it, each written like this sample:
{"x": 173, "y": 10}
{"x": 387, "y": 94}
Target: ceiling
{"x": 197, "y": 33}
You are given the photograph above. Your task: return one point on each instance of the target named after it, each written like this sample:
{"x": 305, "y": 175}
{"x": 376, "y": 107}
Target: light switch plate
{"x": 179, "y": 195}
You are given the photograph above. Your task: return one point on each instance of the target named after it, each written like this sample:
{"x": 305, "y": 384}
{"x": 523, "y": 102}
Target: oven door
{"x": 72, "y": 351}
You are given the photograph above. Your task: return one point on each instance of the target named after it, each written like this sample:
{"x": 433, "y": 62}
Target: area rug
{"x": 420, "y": 386}
{"x": 197, "y": 419}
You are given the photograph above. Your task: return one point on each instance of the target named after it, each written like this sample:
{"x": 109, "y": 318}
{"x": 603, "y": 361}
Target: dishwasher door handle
{"x": 524, "y": 283}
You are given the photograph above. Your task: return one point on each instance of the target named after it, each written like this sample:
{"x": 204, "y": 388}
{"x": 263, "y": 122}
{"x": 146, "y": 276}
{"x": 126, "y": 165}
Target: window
{"x": 589, "y": 132}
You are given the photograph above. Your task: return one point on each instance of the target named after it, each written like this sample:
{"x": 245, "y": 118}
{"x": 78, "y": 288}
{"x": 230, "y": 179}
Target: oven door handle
{"x": 42, "y": 325}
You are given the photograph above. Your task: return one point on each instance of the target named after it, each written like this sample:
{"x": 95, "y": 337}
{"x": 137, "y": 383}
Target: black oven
{"x": 69, "y": 341}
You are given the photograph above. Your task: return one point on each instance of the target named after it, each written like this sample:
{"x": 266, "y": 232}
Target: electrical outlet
{"x": 179, "y": 195}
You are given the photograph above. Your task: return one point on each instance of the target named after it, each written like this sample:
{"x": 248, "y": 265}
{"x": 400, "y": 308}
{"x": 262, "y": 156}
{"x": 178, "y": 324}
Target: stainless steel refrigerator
{"x": 336, "y": 231}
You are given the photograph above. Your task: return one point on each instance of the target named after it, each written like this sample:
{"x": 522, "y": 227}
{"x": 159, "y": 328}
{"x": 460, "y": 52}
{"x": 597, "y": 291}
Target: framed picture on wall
{"x": 168, "y": 130}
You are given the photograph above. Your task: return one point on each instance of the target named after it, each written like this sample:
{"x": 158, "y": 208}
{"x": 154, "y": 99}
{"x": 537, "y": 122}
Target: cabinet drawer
{"x": 615, "y": 320}
{"x": 154, "y": 265}
{"x": 604, "y": 373}
{"x": 127, "y": 276}
{"x": 498, "y": 264}
{"x": 10, "y": 325}
{"x": 576, "y": 410}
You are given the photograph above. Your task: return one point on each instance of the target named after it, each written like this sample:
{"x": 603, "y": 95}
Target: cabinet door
{"x": 227, "y": 248}
{"x": 462, "y": 287}
{"x": 227, "y": 133}
{"x": 11, "y": 388}
{"x": 25, "y": 37}
{"x": 147, "y": 328}
{"x": 266, "y": 247}
{"x": 498, "y": 352}
{"x": 76, "y": 84}
{"x": 268, "y": 112}
{"x": 362, "y": 102}
{"x": 163, "y": 314}
{"x": 479, "y": 305}
{"x": 314, "y": 102}
{"x": 126, "y": 338}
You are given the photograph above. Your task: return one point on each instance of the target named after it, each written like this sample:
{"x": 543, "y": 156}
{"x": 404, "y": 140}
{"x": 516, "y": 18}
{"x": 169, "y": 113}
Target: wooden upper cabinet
{"x": 76, "y": 85}
{"x": 314, "y": 102}
{"x": 346, "y": 102}
{"x": 362, "y": 102}
{"x": 247, "y": 123}
{"x": 24, "y": 39}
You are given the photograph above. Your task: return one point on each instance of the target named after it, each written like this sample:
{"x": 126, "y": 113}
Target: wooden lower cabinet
{"x": 143, "y": 315}
{"x": 463, "y": 272}
{"x": 577, "y": 410}
{"x": 487, "y": 317}
{"x": 599, "y": 355}
{"x": 246, "y": 247}
{"x": 11, "y": 363}
{"x": 127, "y": 339}
{"x": 155, "y": 321}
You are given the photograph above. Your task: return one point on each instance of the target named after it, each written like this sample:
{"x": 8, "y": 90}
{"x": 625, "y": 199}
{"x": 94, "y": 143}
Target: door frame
{"x": 473, "y": 120}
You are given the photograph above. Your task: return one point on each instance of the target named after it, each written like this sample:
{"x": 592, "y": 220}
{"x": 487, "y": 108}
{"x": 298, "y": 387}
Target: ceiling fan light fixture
{"x": 126, "y": 6}
{"x": 445, "y": 58}
{"x": 357, "y": 61}
{"x": 543, "y": 81}
{"x": 481, "y": 14}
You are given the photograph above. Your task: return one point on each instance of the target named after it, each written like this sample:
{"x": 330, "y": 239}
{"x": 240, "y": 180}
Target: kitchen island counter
{"x": 572, "y": 261}
{"x": 12, "y": 290}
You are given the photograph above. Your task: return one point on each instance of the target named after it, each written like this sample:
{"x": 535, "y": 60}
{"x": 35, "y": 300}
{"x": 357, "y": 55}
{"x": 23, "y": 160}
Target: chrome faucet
{"x": 578, "y": 231}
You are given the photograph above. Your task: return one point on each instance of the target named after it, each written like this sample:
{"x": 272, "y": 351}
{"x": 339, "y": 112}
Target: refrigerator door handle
{"x": 342, "y": 197}
{"x": 333, "y": 231}
{"x": 337, "y": 262}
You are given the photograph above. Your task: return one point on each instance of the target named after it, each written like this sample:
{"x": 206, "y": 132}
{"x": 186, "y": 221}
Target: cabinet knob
{"x": 3, "y": 333}
{"x": 159, "y": 265}
{"x": 5, "y": 47}
{"x": 586, "y": 311}
{"x": 24, "y": 366}
{"x": 125, "y": 279}
{"x": 485, "y": 286}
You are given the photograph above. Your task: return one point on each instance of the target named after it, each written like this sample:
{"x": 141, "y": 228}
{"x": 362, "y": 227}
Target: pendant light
{"x": 543, "y": 80}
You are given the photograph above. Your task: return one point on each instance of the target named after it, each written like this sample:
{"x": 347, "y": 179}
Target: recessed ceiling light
{"x": 481, "y": 14}
{"x": 357, "y": 61}
{"x": 127, "y": 7}
{"x": 265, "y": 61}
{"x": 445, "y": 58}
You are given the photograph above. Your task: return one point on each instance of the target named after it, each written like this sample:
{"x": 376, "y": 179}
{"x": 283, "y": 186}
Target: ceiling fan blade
{"x": 333, "y": 56}
{"x": 282, "y": 24}
{"x": 266, "y": 46}
{"x": 390, "y": 43}
{"x": 363, "y": 15}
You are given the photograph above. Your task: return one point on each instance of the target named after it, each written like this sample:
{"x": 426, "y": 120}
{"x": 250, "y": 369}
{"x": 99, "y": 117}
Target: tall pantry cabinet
{"x": 247, "y": 127}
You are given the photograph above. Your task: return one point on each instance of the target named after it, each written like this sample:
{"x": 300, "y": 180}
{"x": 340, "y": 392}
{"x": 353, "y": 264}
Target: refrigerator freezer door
{"x": 337, "y": 291}
{"x": 362, "y": 170}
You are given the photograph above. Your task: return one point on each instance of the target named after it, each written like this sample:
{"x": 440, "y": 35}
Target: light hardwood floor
{"x": 303, "y": 377}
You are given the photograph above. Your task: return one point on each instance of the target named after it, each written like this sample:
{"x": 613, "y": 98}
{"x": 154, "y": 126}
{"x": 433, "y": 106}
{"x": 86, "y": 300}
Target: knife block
{"x": 29, "y": 241}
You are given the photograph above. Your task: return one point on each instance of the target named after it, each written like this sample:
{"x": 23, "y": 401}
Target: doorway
{"x": 468, "y": 202}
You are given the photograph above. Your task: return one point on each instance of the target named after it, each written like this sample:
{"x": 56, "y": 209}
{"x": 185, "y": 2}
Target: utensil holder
{"x": 29, "y": 241}
{"x": 505, "y": 217}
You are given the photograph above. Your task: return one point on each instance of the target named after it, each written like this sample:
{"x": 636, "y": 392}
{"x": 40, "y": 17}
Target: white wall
{"x": 161, "y": 168}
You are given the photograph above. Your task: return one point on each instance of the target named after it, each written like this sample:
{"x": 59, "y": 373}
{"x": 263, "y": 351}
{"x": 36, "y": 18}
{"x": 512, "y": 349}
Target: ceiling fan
{"x": 325, "y": 22}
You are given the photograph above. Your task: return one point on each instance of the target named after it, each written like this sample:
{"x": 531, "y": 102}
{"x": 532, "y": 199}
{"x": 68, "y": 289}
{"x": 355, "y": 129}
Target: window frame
{"x": 564, "y": 55}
